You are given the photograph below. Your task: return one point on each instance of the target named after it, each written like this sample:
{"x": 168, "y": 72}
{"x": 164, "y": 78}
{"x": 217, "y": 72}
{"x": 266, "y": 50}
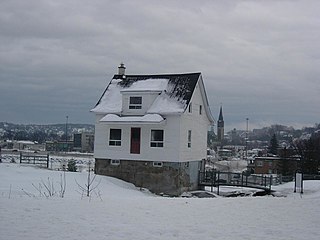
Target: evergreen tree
{"x": 309, "y": 152}
{"x": 72, "y": 167}
{"x": 273, "y": 147}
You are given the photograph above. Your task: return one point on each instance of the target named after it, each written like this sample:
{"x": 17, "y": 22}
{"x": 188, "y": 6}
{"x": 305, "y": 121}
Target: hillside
{"x": 40, "y": 133}
{"x": 118, "y": 210}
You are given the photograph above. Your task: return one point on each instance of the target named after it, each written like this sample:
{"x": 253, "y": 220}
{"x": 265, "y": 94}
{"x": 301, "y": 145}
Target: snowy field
{"x": 118, "y": 210}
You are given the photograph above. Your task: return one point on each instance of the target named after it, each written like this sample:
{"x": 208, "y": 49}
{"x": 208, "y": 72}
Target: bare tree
{"x": 90, "y": 185}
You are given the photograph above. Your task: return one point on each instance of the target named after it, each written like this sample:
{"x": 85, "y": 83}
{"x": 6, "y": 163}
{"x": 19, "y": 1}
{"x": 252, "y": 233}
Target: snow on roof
{"x": 166, "y": 105}
{"x": 151, "y": 84}
{"x": 111, "y": 101}
{"x": 25, "y": 142}
{"x": 177, "y": 90}
{"x": 148, "y": 118}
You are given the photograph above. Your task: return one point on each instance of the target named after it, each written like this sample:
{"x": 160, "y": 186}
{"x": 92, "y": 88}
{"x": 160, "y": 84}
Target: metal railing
{"x": 217, "y": 178}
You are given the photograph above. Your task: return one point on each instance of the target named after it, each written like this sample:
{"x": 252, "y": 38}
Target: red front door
{"x": 135, "y": 141}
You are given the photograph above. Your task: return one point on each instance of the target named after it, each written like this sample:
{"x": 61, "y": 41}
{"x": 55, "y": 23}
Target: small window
{"x": 115, "y": 162}
{"x": 135, "y": 103}
{"x": 189, "y": 138}
{"x": 200, "y": 109}
{"x": 157, "y": 164}
{"x": 259, "y": 163}
{"x": 115, "y": 137}
{"x": 190, "y": 107}
{"x": 156, "y": 138}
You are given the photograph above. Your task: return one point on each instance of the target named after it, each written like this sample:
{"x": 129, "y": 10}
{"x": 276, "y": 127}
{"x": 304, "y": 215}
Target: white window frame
{"x": 115, "y": 142}
{"x": 133, "y": 104}
{"x": 157, "y": 164}
{"x": 156, "y": 143}
{"x": 115, "y": 162}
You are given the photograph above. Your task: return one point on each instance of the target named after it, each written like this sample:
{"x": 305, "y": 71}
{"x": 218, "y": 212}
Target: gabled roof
{"x": 176, "y": 91}
{"x": 182, "y": 84}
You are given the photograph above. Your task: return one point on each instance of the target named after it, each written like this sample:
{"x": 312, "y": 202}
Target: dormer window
{"x": 135, "y": 103}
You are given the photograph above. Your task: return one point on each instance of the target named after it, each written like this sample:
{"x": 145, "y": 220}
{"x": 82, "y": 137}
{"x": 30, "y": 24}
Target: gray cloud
{"x": 258, "y": 58}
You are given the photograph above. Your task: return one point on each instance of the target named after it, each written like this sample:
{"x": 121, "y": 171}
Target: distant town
{"x": 276, "y": 149}
{"x": 50, "y": 138}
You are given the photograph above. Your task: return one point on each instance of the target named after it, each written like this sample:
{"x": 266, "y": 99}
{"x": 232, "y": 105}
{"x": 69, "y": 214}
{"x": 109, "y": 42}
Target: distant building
{"x": 83, "y": 142}
{"x": 27, "y": 145}
{"x": 220, "y": 126}
{"x": 275, "y": 165}
{"x": 59, "y": 146}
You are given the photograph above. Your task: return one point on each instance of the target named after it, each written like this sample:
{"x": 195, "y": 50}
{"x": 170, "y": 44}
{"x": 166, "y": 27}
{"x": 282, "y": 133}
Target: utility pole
{"x": 66, "y": 134}
{"x": 247, "y": 119}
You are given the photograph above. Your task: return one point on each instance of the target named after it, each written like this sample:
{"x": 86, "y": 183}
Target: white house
{"x": 151, "y": 130}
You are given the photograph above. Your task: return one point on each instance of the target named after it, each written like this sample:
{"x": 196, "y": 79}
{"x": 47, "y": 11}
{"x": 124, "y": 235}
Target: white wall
{"x": 198, "y": 124}
{"x": 167, "y": 153}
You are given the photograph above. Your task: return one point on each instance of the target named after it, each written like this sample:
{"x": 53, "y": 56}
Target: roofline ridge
{"x": 159, "y": 74}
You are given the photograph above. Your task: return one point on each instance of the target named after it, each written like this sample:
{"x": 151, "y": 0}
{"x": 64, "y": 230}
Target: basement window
{"x": 135, "y": 103}
{"x": 115, "y": 162}
{"x": 158, "y": 164}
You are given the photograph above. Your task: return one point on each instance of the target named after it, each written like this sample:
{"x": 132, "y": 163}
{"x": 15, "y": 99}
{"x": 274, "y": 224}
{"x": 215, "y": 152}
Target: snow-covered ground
{"x": 118, "y": 210}
{"x": 56, "y": 162}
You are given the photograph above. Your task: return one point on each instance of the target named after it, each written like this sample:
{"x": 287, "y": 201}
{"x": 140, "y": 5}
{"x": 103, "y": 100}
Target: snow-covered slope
{"x": 118, "y": 210}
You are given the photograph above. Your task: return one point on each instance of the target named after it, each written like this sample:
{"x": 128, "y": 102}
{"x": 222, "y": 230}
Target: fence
{"x": 35, "y": 159}
{"x": 216, "y": 179}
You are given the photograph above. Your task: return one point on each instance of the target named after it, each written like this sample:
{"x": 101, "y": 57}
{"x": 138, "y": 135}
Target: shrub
{"x": 72, "y": 167}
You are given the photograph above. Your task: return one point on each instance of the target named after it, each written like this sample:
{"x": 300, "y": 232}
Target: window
{"x": 189, "y": 138}
{"x": 190, "y": 107}
{"x": 200, "y": 109}
{"x": 259, "y": 163}
{"x": 115, "y": 162}
{"x": 115, "y": 137}
{"x": 135, "y": 102}
{"x": 156, "y": 138}
{"x": 157, "y": 164}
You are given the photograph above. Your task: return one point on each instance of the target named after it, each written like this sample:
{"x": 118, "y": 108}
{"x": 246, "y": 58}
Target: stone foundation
{"x": 170, "y": 178}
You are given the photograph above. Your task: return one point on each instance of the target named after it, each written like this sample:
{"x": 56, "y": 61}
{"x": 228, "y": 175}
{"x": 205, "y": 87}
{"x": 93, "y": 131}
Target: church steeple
{"x": 220, "y": 115}
{"x": 220, "y": 126}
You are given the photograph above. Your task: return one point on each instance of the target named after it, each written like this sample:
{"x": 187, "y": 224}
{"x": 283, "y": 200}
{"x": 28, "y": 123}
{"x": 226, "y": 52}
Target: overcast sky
{"x": 259, "y": 59}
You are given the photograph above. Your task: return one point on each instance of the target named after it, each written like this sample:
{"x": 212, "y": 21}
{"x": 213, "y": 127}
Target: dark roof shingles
{"x": 183, "y": 84}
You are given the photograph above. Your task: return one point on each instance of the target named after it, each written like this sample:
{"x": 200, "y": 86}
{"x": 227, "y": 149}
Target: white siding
{"x": 167, "y": 153}
{"x": 198, "y": 124}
